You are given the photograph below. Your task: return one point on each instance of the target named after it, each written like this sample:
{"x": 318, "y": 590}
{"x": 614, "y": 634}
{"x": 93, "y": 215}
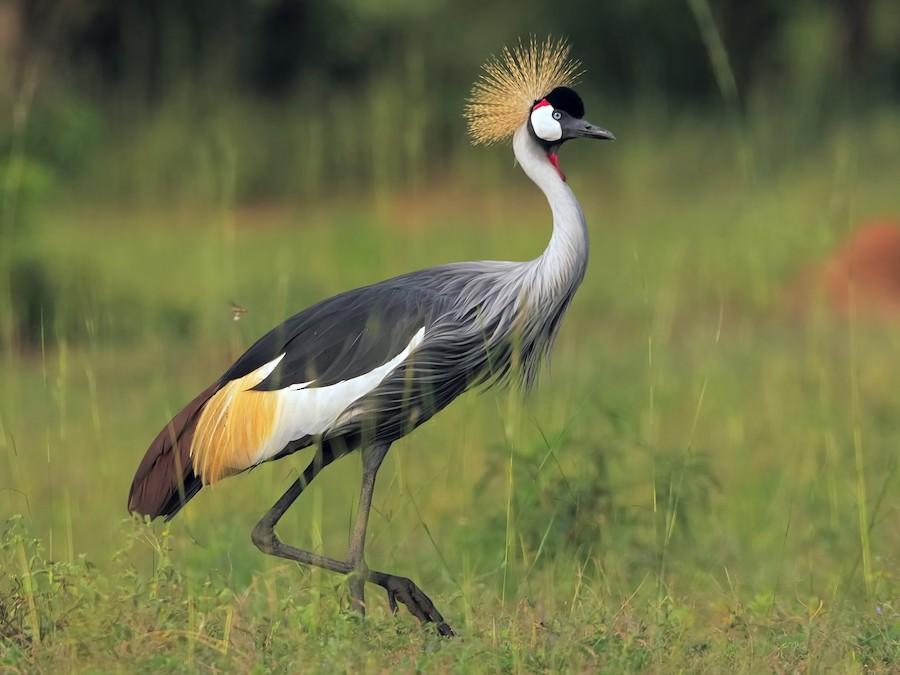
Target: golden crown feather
{"x": 510, "y": 84}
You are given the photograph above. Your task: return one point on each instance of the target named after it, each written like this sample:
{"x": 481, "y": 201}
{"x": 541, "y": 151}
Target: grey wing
{"x": 449, "y": 361}
{"x": 340, "y": 338}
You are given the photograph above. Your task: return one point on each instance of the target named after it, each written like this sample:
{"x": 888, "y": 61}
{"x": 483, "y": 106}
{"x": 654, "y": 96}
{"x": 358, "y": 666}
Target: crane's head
{"x": 559, "y": 117}
{"x": 530, "y": 86}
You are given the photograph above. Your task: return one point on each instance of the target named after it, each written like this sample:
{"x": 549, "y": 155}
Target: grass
{"x": 705, "y": 479}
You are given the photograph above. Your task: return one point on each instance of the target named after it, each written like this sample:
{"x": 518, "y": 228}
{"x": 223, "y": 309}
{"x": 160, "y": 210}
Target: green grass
{"x": 705, "y": 480}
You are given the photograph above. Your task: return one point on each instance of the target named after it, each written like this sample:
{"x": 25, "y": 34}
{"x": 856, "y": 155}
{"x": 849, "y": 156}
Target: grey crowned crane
{"x": 366, "y": 367}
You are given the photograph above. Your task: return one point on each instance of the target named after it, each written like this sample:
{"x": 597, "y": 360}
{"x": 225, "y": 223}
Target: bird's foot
{"x": 419, "y": 605}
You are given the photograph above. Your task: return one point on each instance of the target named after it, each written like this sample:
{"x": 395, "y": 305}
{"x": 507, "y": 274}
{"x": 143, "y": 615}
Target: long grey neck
{"x": 560, "y": 268}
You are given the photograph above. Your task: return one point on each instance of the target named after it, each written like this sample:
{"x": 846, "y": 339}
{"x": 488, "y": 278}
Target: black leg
{"x": 264, "y": 533}
{"x": 372, "y": 457}
{"x": 398, "y": 588}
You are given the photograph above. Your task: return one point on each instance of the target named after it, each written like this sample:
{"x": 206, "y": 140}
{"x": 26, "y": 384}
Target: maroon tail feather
{"x": 165, "y": 479}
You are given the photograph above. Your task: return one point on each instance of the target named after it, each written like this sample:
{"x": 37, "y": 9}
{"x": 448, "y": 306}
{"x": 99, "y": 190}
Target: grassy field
{"x": 704, "y": 481}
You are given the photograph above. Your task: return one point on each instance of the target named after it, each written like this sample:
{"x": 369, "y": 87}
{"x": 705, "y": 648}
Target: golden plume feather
{"x": 511, "y": 83}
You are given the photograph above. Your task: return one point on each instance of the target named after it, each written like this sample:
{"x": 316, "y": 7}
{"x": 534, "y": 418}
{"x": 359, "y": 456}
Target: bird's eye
{"x": 556, "y": 115}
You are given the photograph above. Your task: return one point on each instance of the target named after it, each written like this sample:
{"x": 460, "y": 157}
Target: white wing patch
{"x": 307, "y": 412}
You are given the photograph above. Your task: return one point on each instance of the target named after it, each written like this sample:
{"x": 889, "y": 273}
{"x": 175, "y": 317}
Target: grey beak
{"x": 584, "y": 129}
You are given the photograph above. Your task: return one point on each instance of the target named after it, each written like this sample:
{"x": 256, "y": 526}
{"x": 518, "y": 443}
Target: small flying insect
{"x": 237, "y": 311}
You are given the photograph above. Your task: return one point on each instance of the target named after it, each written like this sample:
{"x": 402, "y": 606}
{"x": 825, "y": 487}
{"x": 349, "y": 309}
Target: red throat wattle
{"x": 554, "y": 160}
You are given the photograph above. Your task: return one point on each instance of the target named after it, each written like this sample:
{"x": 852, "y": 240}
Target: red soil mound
{"x": 865, "y": 272}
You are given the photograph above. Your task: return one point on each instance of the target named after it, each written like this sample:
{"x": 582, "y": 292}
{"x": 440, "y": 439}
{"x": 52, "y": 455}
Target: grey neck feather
{"x": 560, "y": 269}
{"x": 546, "y": 284}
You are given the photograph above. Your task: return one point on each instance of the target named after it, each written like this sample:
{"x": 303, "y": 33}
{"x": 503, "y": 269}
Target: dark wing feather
{"x": 340, "y": 338}
{"x": 165, "y": 479}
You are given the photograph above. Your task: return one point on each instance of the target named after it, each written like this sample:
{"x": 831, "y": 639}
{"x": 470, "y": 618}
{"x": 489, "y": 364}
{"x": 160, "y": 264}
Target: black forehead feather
{"x": 563, "y": 98}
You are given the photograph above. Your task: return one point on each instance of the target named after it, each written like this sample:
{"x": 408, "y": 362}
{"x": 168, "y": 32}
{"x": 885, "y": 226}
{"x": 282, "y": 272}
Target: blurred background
{"x": 263, "y": 99}
{"x": 715, "y": 445}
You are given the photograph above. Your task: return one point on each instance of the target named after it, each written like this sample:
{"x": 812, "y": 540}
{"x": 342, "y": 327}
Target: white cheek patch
{"x": 544, "y": 125}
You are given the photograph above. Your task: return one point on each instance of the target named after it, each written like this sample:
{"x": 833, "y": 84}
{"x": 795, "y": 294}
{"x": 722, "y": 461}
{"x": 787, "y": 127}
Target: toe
{"x": 404, "y": 591}
{"x": 392, "y": 601}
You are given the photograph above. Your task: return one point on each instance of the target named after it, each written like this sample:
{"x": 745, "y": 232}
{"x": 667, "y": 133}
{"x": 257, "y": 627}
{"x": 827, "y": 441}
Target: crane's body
{"x": 366, "y": 367}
